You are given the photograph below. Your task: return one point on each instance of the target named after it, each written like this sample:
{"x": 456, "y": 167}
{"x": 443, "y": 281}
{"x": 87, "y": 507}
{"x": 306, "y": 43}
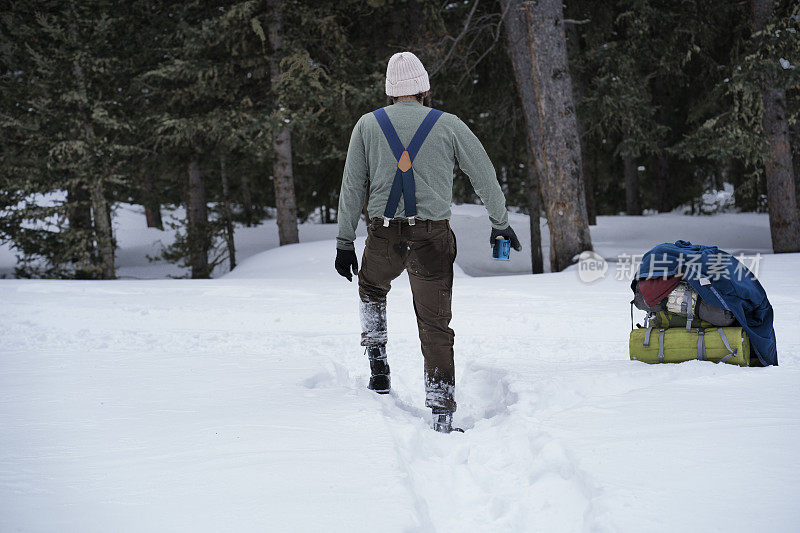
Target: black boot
{"x": 443, "y": 421}
{"x": 380, "y": 381}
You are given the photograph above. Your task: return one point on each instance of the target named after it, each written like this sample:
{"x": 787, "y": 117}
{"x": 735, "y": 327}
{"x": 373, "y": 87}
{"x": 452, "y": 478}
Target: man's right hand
{"x": 507, "y": 233}
{"x": 345, "y": 260}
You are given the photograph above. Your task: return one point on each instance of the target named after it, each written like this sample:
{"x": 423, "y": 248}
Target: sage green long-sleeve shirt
{"x": 370, "y": 163}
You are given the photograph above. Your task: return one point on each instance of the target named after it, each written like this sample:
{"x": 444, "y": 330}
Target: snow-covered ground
{"x": 240, "y": 403}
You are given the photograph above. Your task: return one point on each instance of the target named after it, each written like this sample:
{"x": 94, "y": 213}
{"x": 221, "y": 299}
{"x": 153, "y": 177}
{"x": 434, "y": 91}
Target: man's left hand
{"x": 345, "y": 261}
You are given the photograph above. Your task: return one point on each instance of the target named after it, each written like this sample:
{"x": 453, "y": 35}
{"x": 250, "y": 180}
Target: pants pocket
{"x": 445, "y": 302}
{"x": 428, "y": 257}
{"x": 376, "y": 248}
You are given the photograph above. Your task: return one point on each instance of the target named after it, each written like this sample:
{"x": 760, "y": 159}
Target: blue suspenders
{"x": 404, "y": 176}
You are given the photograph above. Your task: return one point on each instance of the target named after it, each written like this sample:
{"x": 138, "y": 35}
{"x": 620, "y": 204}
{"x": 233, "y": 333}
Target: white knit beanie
{"x": 405, "y": 75}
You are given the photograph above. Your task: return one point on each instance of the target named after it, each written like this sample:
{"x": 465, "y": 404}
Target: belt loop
{"x": 428, "y": 222}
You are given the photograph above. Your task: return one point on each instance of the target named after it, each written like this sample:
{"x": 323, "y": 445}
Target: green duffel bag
{"x": 675, "y": 345}
{"x": 668, "y": 319}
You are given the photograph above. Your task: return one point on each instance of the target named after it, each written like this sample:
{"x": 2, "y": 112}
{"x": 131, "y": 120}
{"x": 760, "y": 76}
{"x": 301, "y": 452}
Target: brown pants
{"x": 427, "y": 251}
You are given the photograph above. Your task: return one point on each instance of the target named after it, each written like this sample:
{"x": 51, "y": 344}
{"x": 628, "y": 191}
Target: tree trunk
{"x": 534, "y": 208}
{"x": 574, "y": 42}
{"x": 152, "y": 207}
{"x": 588, "y": 181}
{"x": 101, "y": 212}
{"x": 226, "y": 203}
{"x": 537, "y": 46}
{"x": 282, "y": 144}
{"x": 197, "y": 227}
{"x": 632, "y": 206}
{"x": 407, "y": 25}
{"x": 595, "y": 174}
{"x": 284, "y": 188}
{"x": 662, "y": 179}
{"x": 247, "y": 200}
{"x": 781, "y": 189}
{"x": 661, "y": 97}
{"x": 80, "y": 223}
{"x": 781, "y": 194}
{"x": 794, "y": 138}
{"x": 413, "y": 36}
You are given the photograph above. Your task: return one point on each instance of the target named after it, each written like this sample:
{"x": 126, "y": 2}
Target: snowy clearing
{"x": 240, "y": 404}
{"x": 743, "y": 232}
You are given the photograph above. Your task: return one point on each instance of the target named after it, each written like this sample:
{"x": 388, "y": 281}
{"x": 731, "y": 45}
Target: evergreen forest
{"x": 241, "y": 111}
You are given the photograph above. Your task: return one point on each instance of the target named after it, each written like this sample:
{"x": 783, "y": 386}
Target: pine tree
{"x": 180, "y": 93}
{"x": 63, "y": 136}
{"x": 200, "y": 109}
{"x": 745, "y": 124}
{"x": 618, "y": 101}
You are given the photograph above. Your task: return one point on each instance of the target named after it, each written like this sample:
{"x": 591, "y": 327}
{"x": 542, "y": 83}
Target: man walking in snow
{"x": 405, "y": 155}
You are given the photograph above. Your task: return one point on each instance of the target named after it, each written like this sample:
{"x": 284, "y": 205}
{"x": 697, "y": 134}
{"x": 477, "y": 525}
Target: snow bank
{"x": 613, "y": 235}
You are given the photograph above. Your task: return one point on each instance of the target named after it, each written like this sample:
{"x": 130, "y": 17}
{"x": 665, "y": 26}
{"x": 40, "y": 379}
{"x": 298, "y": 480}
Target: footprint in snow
{"x": 335, "y": 376}
{"x": 483, "y": 393}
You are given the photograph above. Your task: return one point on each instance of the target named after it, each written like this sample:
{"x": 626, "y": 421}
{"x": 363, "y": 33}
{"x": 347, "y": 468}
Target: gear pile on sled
{"x": 702, "y": 304}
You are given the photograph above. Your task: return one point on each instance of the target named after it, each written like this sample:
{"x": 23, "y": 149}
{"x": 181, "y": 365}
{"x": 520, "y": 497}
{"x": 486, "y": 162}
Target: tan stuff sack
{"x": 682, "y": 300}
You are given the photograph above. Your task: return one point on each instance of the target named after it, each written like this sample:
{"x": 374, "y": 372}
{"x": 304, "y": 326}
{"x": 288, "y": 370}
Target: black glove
{"x": 507, "y": 233}
{"x": 345, "y": 260}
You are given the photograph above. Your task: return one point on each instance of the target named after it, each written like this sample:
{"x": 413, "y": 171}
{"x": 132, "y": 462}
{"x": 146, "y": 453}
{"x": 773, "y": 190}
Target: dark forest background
{"x": 243, "y": 110}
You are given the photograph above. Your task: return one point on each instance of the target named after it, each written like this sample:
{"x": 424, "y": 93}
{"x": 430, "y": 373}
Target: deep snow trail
{"x": 240, "y": 404}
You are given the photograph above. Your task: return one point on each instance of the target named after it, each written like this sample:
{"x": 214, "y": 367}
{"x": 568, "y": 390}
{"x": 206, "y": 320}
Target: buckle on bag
{"x": 385, "y": 222}
{"x": 412, "y": 221}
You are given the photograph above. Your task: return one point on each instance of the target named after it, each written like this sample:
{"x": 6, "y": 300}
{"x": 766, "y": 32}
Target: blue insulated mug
{"x": 501, "y": 249}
